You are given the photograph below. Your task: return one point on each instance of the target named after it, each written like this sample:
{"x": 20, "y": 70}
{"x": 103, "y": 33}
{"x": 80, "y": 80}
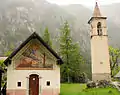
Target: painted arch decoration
{"x": 32, "y": 57}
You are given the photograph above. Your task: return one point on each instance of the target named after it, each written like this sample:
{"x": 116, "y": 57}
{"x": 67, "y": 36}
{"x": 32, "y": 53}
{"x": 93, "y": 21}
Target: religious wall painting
{"x": 33, "y": 58}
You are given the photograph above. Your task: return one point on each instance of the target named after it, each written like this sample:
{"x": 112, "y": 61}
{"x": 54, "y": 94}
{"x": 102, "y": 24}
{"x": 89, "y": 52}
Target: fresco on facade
{"x": 33, "y": 58}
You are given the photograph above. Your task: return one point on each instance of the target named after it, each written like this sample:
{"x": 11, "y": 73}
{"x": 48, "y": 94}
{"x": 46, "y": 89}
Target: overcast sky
{"x": 84, "y": 2}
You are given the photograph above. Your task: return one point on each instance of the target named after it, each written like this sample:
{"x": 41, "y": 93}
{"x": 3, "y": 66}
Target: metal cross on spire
{"x": 96, "y": 2}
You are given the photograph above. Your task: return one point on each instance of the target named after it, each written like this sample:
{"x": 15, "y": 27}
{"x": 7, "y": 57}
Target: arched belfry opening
{"x": 99, "y": 28}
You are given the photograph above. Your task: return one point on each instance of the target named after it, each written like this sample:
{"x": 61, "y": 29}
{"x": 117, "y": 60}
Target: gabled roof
{"x": 33, "y": 36}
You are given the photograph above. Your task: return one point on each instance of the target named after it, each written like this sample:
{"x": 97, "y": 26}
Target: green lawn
{"x": 80, "y": 89}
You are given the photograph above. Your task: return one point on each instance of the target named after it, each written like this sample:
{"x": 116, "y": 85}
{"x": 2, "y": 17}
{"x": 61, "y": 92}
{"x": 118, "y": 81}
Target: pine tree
{"x": 65, "y": 47}
{"x": 70, "y": 53}
{"x": 46, "y": 37}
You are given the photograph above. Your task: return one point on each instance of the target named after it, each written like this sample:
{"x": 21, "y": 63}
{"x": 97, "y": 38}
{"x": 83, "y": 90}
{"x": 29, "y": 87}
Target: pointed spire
{"x": 96, "y": 12}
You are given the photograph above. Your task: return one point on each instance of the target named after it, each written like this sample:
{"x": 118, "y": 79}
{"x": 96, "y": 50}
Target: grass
{"x": 80, "y": 89}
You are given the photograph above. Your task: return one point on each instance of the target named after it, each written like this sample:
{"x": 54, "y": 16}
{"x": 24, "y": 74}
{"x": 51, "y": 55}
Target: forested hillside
{"x": 19, "y": 18}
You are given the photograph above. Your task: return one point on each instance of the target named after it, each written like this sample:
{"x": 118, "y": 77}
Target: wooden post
{"x": 1, "y": 71}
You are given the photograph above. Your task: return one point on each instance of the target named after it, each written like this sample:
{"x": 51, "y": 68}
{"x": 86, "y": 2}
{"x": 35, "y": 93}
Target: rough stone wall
{"x": 101, "y": 76}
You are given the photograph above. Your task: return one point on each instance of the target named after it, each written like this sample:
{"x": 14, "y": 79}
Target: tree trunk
{"x": 68, "y": 78}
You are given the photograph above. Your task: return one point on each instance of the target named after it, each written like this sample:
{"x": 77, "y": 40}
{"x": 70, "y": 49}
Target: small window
{"x": 19, "y": 84}
{"x": 48, "y": 83}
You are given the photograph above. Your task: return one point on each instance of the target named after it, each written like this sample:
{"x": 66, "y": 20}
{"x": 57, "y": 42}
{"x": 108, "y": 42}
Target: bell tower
{"x": 99, "y": 46}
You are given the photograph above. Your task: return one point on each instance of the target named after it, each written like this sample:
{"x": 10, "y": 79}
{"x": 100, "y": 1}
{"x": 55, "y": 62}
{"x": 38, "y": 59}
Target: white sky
{"x": 84, "y": 2}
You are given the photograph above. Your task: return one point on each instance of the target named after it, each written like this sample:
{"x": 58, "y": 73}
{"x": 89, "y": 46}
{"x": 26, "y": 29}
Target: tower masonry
{"x": 99, "y": 46}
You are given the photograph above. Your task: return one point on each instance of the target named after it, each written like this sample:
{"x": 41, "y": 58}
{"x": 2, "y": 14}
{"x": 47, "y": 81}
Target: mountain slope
{"x": 19, "y": 18}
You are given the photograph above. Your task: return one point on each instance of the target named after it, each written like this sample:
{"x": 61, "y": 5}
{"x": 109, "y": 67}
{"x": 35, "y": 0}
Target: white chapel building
{"x": 33, "y": 69}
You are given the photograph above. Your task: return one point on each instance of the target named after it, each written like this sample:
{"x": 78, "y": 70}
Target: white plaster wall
{"x": 99, "y": 47}
{"x": 14, "y": 76}
{"x": 100, "y": 53}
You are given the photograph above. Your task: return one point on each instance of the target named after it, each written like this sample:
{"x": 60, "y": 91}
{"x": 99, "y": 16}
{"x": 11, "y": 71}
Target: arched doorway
{"x": 33, "y": 84}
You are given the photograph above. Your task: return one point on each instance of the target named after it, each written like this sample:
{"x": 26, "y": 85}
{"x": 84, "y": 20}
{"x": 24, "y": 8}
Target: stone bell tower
{"x": 99, "y": 46}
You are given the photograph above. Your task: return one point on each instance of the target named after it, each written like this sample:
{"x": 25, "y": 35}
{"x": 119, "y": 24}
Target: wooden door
{"x": 34, "y": 84}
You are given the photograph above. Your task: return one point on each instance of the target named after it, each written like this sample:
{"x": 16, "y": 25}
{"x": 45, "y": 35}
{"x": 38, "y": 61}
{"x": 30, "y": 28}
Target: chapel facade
{"x": 33, "y": 69}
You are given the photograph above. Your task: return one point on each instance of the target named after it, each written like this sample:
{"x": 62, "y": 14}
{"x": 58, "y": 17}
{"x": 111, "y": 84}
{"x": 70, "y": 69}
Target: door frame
{"x": 36, "y": 80}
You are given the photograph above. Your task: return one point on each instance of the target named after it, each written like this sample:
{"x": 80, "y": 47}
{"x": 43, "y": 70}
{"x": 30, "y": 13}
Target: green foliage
{"x": 115, "y": 71}
{"x": 72, "y": 88}
{"x": 46, "y": 37}
{"x": 2, "y": 64}
{"x": 70, "y": 53}
{"x": 80, "y": 89}
{"x": 4, "y": 77}
{"x": 114, "y": 62}
{"x": 7, "y": 53}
